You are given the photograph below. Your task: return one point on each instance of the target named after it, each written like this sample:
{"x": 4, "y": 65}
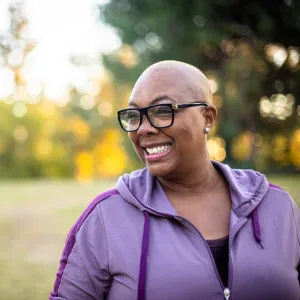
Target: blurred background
{"x": 67, "y": 66}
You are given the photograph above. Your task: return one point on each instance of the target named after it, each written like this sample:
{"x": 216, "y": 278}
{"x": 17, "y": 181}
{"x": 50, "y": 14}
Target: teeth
{"x": 159, "y": 149}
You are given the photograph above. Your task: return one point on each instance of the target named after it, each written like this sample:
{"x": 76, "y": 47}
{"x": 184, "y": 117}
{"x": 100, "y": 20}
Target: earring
{"x": 206, "y": 130}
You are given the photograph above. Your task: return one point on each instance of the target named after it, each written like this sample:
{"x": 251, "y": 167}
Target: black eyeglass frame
{"x": 144, "y": 112}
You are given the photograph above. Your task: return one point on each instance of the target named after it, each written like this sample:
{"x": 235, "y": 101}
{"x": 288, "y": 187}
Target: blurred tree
{"x": 249, "y": 50}
{"x": 15, "y": 46}
{"x": 102, "y": 153}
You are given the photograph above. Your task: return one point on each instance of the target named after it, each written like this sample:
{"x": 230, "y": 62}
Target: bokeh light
{"x": 19, "y": 109}
{"x": 213, "y": 85}
{"x": 127, "y": 56}
{"x": 276, "y": 54}
{"x": 105, "y": 108}
{"x": 278, "y": 106}
{"x": 199, "y": 20}
{"x": 87, "y": 102}
{"x": 294, "y": 57}
{"x": 20, "y": 134}
{"x": 216, "y": 148}
{"x": 43, "y": 148}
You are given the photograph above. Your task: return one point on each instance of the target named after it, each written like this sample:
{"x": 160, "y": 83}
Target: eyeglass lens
{"x": 160, "y": 116}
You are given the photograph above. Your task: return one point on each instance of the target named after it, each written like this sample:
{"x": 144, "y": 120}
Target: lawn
{"x": 35, "y": 217}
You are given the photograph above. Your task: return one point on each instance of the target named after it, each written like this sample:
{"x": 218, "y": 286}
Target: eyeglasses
{"x": 159, "y": 116}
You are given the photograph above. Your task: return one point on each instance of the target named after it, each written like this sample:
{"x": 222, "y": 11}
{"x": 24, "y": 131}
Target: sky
{"x": 61, "y": 29}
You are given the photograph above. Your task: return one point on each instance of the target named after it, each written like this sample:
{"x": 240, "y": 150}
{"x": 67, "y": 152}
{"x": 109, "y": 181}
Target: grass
{"x": 35, "y": 217}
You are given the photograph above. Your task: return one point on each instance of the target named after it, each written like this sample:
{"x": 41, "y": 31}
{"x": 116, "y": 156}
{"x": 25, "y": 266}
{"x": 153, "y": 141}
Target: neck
{"x": 198, "y": 181}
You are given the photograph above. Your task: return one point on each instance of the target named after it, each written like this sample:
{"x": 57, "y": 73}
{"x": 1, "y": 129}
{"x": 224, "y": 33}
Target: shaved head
{"x": 181, "y": 75}
{"x": 168, "y": 82}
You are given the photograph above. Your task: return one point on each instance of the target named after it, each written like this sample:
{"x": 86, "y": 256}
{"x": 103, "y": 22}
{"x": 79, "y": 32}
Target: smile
{"x": 157, "y": 153}
{"x": 159, "y": 149}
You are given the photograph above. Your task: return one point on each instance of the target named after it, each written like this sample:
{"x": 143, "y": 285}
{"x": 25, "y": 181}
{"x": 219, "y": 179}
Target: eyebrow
{"x": 154, "y": 101}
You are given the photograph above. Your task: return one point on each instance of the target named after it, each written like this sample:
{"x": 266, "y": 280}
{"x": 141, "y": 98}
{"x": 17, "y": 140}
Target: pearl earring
{"x": 206, "y": 130}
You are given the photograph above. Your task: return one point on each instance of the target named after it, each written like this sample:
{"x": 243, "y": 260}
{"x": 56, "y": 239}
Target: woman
{"x": 185, "y": 227}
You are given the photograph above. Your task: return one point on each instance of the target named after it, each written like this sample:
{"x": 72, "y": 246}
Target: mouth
{"x": 157, "y": 152}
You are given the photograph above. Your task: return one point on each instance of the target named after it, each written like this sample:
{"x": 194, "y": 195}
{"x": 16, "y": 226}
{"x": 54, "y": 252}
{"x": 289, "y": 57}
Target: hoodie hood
{"x": 142, "y": 190}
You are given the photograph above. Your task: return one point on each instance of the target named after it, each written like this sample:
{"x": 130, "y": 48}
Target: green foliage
{"x": 227, "y": 40}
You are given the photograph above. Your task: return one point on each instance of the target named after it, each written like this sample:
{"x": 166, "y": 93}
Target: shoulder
{"x": 276, "y": 187}
{"x": 91, "y": 211}
{"x": 278, "y": 203}
{"x": 288, "y": 204}
{"x": 107, "y": 205}
{"x": 277, "y": 194}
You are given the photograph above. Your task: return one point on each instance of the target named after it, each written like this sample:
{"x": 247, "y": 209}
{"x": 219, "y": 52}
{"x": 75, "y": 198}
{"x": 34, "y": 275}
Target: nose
{"x": 146, "y": 128}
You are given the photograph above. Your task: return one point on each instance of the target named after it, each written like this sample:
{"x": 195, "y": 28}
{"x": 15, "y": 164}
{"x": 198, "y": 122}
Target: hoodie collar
{"x": 142, "y": 190}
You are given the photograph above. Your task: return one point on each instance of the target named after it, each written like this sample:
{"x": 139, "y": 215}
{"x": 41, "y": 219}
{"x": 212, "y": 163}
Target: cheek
{"x": 193, "y": 126}
{"x": 188, "y": 136}
{"x": 134, "y": 140}
{"x": 132, "y": 136}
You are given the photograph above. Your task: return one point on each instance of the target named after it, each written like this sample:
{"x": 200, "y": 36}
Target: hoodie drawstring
{"x": 143, "y": 260}
{"x": 256, "y": 227}
{"x": 145, "y": 247}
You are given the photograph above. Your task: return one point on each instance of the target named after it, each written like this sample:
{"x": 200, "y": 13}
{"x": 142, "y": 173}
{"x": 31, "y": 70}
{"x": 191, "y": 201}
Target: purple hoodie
{"x": 130, "y": 244}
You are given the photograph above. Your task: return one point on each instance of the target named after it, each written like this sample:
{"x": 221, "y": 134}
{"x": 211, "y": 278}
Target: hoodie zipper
{"x": 226, "y": 290}
{"x": 227, "y": 294}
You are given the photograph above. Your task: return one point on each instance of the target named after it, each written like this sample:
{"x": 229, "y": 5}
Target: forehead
{"x": 165, "y": 84}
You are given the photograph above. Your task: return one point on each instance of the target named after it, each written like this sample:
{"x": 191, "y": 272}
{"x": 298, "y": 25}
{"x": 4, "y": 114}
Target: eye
{"x": 162, "y": 110}
{"x": 132, "y": 116}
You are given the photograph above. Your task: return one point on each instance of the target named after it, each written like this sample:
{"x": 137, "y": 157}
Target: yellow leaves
{"x": 216, "y": 148}
{"x": 110, "y": 156}
{"x": 280, "y": 144}
{"x": 241, "y": 146}
{"x": 78, "y": 127}
{"x": 81, "y": 128}
{"x": 126, "y": 93}
{"x": 281, "y": 148}
{"x": 113, "y": 136}
{"x": 295, "y": 148}
{"x": 111, "y": 160}
{"x": 3, "y": 147}
{"x": 84, "y": 162}
{"x": 127, "y": 56}
{"x": 107, "y": 92}
{"x": 43, "y": 148}
{"x": 107, "y": 159}
{"x": 48, "y": 109}
{"x": 105, "y": 109}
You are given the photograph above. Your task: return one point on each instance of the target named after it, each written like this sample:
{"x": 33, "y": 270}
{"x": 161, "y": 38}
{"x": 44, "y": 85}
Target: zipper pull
{"x": 227, "y": 293}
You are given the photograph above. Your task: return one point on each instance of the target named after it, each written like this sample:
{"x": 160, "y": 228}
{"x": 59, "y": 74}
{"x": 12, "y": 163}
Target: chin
{"x": 160, "y": 170}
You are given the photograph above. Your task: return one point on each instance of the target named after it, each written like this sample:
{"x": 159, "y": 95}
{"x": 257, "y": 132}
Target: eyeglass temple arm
{"x": 177, "y": 106}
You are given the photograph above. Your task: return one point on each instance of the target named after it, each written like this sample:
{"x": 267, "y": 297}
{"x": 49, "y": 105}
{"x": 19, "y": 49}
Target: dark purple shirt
{"x": 219, "y": 249}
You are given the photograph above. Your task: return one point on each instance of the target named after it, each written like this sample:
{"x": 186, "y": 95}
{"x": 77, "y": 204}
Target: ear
{"x": 210, "y": 115}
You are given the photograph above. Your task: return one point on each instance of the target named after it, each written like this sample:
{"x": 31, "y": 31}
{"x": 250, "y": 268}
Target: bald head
{"x": 169, "y": 82}
{"x": 177, "y": 77}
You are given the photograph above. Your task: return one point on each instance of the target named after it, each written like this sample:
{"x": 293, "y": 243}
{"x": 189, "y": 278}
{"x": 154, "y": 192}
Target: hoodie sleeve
{"x": 296, "y": 212}
{"x": 84, "y": 270}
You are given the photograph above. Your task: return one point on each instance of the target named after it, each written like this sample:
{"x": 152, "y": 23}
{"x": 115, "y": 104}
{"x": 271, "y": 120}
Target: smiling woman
{"x": 185, "y": 226}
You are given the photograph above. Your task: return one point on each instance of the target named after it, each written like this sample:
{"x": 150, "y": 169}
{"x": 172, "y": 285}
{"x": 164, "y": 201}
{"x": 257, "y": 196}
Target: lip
{"x": 157, "y": 156}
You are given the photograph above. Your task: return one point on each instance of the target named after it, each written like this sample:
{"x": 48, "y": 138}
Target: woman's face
{"x": 176, "y": 150}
